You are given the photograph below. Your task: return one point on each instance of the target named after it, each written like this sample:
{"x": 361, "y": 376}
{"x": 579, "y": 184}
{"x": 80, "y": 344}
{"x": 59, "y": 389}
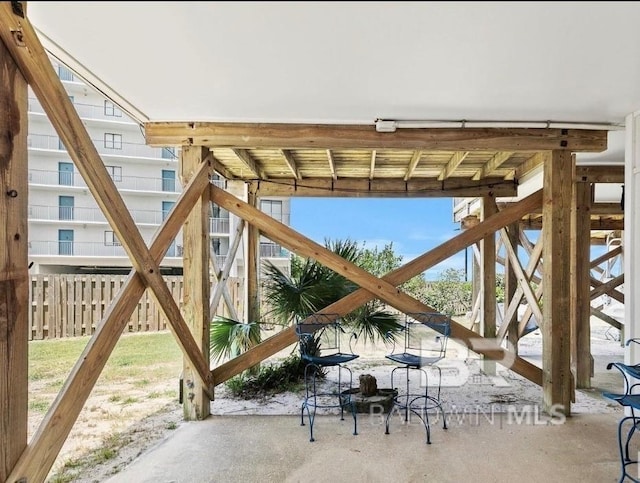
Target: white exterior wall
{"x": 137, "y": 171}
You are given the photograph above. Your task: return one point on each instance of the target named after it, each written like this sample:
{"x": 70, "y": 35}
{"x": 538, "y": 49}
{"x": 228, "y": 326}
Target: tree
{"x": 450, "y": 294}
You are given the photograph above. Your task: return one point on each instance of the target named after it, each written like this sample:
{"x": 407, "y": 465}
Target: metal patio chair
{"x": 319, "y": 338}
{"x": 425, "y": 344}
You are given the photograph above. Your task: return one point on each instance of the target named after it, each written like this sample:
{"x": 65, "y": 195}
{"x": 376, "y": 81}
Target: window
{"x": 168, "y": 180}
{"x": 168, "y": 153}
{"x": 65, "y": 207}
{"x": 272, "y": 208}
{"x": 166, "y": 208}
{"x": 110, "y": 239}
{"x": 112, "y": 141}
{"x": 110, "y": 109}
{"x": 65, "y": 242}
{"x": 65, "y": 173}
{"x": 115, "y": 172}
{"x": 65, "y": 74}
{"x": 215, "y": 244}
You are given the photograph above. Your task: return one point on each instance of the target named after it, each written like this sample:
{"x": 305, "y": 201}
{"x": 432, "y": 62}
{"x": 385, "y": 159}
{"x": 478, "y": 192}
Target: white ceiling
{"x": 353, "y": 62}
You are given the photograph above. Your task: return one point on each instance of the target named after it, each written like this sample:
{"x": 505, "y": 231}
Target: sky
{"x": 413, "y": 225}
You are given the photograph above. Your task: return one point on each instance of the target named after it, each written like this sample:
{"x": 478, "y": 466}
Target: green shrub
{"x": 271, "y": 379}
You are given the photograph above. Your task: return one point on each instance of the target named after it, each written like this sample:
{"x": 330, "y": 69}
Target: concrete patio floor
{"x": 501, "y": 447}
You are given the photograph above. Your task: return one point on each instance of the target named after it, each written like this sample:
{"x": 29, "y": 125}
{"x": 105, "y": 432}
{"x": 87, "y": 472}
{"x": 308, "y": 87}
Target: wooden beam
{"x": 291, "y": 163}
{"x": 606, "y": 256}
{"x": 371, "y": 286}
{"x": 531, "y": 164}
{"x": 608, "y": 288}
{"x": 385, "y": 188}
{"x": 253, "y": 166}
{"x": 332, "y": 164}
{"x": 349, "y": 136}
{"x": 581, "y": 360}
{"x": 452, "y": 165}
{"x": 606, "y": 318}
{"x": 196, "y": 404}
{"x": 494, "y": 163}
{"x": 252, "y": 262}
{"x": 38, "y": 458}
{"x": 556, "y": 331}
{"x": 219, "y": 167}
{"x": 372, "y": 168}
{"x": 14, "y": 273}
{"x": 597, "y": 223}
{"x": 415, "y": 159}
{"x": 600, "y": 174}
{"x": 597, "y": 209}
{"x": 38, "y": 71}
{"x": 488, "y": 257}
{"x": 223, "y": 276}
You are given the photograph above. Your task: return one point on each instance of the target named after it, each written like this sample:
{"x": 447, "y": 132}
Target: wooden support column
{"x": 253, "y": 259}
{"x": 195, "y": 266}
{"x": 556, "y": 330}
{"x": 488, "y": 251}
{"x": 14, "y": 276}
{"x": 581, "y": 359}
{"x": 510, "y": 287}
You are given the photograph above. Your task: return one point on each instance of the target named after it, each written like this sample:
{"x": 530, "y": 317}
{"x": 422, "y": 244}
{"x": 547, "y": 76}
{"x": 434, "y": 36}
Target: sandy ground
{"x": 466, "y": 388}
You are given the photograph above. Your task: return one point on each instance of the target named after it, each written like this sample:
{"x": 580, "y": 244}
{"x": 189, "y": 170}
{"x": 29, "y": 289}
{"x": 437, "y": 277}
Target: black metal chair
{"x": 628, "y": 399}
{"x": 425, "y": 344}
{"x": 319, "y": 338}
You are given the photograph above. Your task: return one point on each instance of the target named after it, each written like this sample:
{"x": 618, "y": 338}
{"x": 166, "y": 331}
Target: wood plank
{"x": 291, "y": 163}
{"x": 556, "y": 340}
{"x": 581, "y": 360}
{"x": 371, "y": 286}
{"x": 415, "y": 159}
{"x": 601, "y": 174}
{"x": 252, "y": 263}
{"x": 332, "y": 165}
{"x": 452, "y": 165}
{"x": 372, "y": 167}
{"x": 386, "y": 188}
{"x": 510, "y": 288}
{"x": 494, "y": 163}
{"x": 606, "y": 318}
{"x": 220, "y": 168}
{"x": 334, "y": 136}
{"x": 223, "y": 276}
{"x": 488, "y": 268}
{"x": 14, "y": 276}
{"x": 37, "y": 459}
{"x": 608, "y": 288}
{"x": 38, "y": 298}
{"x": 195, "y": 265}
{"x": 248, "y": 160}
{"x": 530, "y": 165}
{"x": 606, "y": 256}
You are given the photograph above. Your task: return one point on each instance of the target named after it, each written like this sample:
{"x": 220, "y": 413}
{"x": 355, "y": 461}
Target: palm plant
{"x": 230, "y": 338}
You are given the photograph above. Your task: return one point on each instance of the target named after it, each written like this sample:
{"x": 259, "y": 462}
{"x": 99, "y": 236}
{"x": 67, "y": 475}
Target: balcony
{"x": 135, "y": 150}
{"x": 219, "y": 225}
{"x": 273, "y": 250}
{"x": 86, "y": 249}
{"x": 87, "y": 111}
{"x": 89, "y": 215}
{"x": 134, "y": 183}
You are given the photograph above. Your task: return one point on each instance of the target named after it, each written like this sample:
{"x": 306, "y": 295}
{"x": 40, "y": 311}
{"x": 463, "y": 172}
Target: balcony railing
{"x": 271, "y": 250}
{"x": 138, "y": 150}
{"x": 219, "y": 225}
{"x": 86, "y": 249}
{"x": 85, "y": 111}
{"x": 135, "y": 183}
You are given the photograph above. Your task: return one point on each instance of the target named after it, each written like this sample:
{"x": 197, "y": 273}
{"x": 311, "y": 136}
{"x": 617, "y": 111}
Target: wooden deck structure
{"x": 286, "y": 160}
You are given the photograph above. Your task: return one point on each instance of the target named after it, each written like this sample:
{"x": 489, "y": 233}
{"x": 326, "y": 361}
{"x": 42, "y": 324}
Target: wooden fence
{"x": 73, "y": 305}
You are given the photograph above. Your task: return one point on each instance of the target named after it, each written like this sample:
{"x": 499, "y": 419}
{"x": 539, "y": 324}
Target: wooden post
{"x": 556, "y": 330}
{"x": 488, "y": 250}
{"x": 195, "y": 237}
{"x": 14, "y": 276}
{"x": 581, "y": 360}
{"x": 252, "y": 268}
{"x": 510, "y": 286}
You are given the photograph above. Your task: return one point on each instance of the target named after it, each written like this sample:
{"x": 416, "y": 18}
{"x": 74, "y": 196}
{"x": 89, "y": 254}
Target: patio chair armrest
{"x": 634, "y": 340}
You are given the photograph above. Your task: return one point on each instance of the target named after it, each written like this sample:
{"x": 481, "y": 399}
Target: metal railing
{"x": 86, "y": 249}
{"x": 272, "y": 250}
{"x": 138, "y": 150}
{"x": 219, "y": 225}
{"x": 135, "y": 183}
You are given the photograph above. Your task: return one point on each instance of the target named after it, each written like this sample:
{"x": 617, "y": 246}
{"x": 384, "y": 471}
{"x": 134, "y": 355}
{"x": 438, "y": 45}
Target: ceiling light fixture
{"x": 389, "y": 125}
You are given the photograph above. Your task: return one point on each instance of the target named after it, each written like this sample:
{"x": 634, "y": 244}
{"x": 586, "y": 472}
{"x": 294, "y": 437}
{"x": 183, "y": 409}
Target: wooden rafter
{"x": 415, "y": 159}
{"x": 600, "y": 174}
{"x": 253, "y": 166}
{"x": 291, "y": 163}
{"x": 380, "y": 287}
{"x": 385, "y": 188}
{"x": 333, "y": 136}
{"x": 494, "y": 163}
{"x": 332, "y": 164}
{"x": 451, "y": 166}
{"x": 372, "y": 167}
{"x": 531, "y": 164}
{"x": 220, "y": 168}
